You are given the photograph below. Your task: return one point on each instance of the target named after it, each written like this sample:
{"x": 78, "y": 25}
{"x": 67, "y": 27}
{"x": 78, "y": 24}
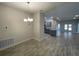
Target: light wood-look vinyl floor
{"x": 63, "y": 45}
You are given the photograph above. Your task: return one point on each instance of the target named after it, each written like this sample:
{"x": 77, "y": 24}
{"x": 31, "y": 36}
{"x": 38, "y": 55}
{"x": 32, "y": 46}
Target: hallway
{"x": 52, "y": 46}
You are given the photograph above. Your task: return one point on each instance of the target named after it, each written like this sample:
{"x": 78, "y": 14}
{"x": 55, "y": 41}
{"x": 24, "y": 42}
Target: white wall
{"x": 16, "y": 28}
{"x": 36, "y": 25}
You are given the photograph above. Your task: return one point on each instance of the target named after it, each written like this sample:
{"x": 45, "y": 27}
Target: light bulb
{"x": 30, "y": 19}
{"x": 25, "y": 20}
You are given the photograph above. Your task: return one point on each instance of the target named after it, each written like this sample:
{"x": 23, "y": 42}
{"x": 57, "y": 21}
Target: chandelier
{"x": 28, "y": 19}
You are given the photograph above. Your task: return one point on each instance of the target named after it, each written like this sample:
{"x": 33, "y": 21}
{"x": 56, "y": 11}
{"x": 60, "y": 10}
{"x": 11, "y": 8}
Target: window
{"x": 70, "y": 27}
{"x": 58, "y": 26}
{"x": 65, "y": 27}
{"x": 78, "y": 28}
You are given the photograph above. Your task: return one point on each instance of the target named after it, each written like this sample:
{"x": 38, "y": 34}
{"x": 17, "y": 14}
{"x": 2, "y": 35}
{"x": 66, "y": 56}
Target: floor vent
{"x": 6, "y": 43}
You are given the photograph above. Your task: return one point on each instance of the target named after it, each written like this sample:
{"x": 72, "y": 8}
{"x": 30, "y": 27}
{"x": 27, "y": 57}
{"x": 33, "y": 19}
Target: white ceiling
{"x": 33, "y": 6}
{"x": 65, "y": 11}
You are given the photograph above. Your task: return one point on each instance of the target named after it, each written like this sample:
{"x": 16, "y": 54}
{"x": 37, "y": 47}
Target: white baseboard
{"x": 15, "y": 44}
{"x": 38, "y": 39}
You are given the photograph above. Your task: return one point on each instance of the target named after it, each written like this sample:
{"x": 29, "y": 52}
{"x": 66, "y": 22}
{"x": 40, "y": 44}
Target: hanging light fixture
{"x": 76, "y": 17}
{"x": 28, "y": 19}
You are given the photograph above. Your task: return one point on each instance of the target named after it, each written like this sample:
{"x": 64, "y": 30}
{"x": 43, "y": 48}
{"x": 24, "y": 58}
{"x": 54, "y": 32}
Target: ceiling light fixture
{"x": 28, "y": 19}
{"x": 76, "y": 17}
